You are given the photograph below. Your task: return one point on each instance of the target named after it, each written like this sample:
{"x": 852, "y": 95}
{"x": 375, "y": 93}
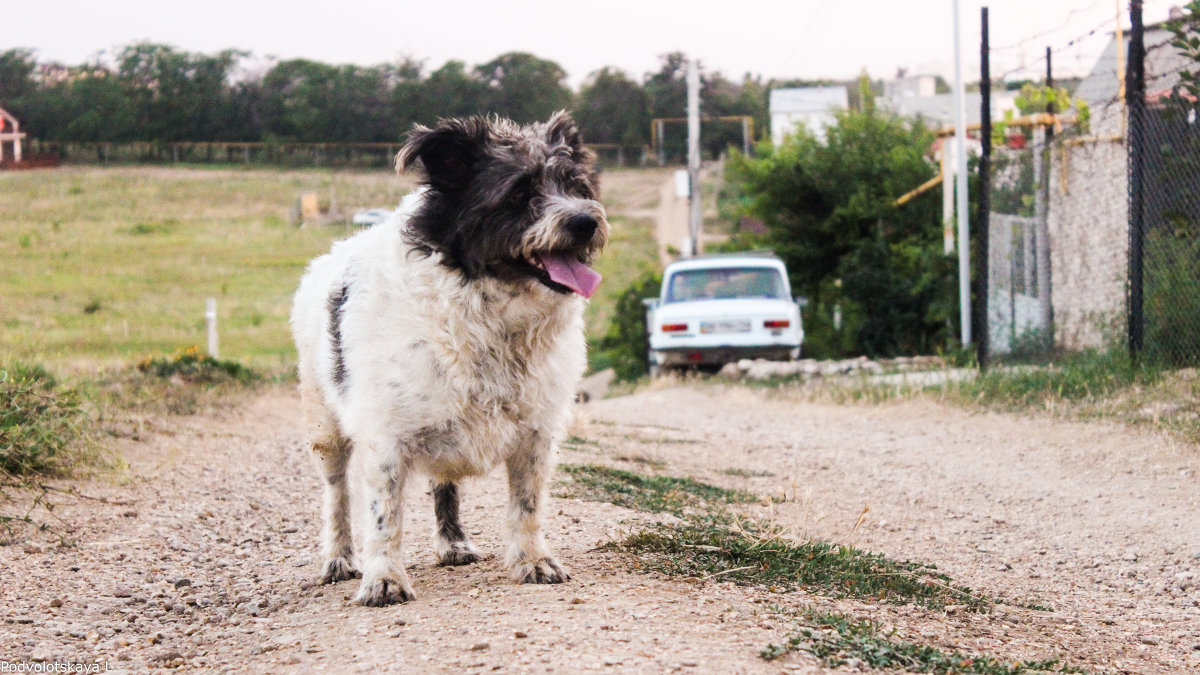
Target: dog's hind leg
{"x": 528, "y": 559}
{"x": 450, "y": 543}
{"x": 384, "y": 581}
{"x": 332, "y": 451}
{"x": 337, "y": 546}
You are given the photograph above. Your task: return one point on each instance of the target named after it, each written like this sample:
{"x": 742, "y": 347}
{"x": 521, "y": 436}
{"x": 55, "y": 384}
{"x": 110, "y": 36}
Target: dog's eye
{"x": 518, "y": 197}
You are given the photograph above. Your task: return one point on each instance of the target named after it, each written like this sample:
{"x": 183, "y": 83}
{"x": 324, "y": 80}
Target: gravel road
{"x": 200, "y": 556}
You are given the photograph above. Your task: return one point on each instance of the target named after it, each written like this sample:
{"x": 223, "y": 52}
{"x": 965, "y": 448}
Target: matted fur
{"x": 436, "y": 343}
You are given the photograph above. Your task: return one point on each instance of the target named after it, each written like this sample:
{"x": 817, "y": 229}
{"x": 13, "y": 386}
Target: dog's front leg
{"x": 384, "y": 581}
{"x": 528, "y": 559}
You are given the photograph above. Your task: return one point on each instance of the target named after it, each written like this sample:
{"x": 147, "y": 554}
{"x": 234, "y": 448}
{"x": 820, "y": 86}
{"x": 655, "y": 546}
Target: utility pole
{"x": 694, "y": 194}
{"x": 963, "y": 212}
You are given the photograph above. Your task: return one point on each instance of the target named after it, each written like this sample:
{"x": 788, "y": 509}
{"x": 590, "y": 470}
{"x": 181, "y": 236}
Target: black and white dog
{"x": 451, "y": 338}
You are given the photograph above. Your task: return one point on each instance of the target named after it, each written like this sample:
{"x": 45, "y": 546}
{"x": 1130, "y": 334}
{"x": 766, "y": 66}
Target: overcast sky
{"x": 781, "y": 39}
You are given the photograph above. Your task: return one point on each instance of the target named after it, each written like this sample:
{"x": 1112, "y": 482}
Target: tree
{"x": 523, "y": 87}
{"x": 667, "y": 91}
{"x": 613, "y": 109}
{"x": 449, "y": 91}
{"x": 829, "y": 206}
{"x": 16, "y": 77}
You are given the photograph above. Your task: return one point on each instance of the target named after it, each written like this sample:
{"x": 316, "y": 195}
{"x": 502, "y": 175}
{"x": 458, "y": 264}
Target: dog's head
{"x": 509, "y": 201}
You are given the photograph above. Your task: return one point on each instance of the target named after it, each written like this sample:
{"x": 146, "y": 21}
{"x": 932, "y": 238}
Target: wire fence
{"x": 1094, "y": 237}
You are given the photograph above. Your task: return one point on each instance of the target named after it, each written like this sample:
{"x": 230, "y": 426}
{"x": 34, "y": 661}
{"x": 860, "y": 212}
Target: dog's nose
{"x": 581, "y": 227}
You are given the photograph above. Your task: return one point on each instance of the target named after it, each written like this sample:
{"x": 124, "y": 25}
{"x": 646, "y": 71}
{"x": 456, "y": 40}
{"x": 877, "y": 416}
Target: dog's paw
{"x": 383, "y": 592}
{"x": 460, "y": 553}
{"x": 539, "y": 571}
{"x": 337, "y": 569}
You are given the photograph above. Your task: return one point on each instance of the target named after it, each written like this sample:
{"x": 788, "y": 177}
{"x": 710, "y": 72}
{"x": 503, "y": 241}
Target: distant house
{"x": 812, "y": 108}
{"x": 916, "y": 97}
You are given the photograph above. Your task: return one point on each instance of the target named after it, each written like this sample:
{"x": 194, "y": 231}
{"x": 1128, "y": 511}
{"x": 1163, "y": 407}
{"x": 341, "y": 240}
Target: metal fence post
{"x": 1135, "y": 101}
{"x": 982, "y": 285}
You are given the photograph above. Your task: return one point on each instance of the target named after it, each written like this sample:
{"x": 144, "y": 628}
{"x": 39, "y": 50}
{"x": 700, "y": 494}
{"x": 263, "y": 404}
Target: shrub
{"x": 624, "y": 346}
{"x": 195, "y": 367}
{"x": 41, "y": 424}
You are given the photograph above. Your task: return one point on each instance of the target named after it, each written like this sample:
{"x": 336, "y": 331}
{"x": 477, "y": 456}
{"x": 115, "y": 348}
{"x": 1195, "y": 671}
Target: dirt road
{"x": 201, "y": 556}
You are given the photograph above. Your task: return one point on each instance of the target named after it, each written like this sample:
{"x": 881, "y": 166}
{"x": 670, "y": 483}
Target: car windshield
{"x": 725, "y": 283}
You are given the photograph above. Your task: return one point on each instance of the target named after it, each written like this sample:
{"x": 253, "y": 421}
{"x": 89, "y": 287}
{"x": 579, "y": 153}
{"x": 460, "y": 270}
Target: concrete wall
{"x": 1089, "y": 242}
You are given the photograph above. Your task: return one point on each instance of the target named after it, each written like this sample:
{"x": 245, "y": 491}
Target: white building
{"x": 809, "y": 107}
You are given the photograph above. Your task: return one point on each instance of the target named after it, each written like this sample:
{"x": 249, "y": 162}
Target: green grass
{"x": 100, "y": 267}
{"x": 654, "y": 494}
{"x": 711, "y": 543}
{"x": 42, "y": 424}
{"x": 836, "y": 640}
{"x": 1086, "y": 376}
{"x": 106, "y": 266}
{"x": 755, "y": 554}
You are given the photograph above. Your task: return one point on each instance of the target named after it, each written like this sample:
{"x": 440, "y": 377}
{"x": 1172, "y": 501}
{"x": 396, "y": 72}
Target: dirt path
{"x": 203, "y": 557}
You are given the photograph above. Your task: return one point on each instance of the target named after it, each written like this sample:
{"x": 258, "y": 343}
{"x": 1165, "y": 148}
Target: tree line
{"x": 157, "y": 93}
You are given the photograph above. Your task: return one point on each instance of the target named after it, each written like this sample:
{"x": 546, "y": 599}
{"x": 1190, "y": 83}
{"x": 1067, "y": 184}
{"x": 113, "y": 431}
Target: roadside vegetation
{"x": 52, "y": 429}
{"x": 710, "y": 542}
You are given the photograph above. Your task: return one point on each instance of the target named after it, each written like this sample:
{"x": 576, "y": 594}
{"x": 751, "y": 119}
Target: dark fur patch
{"x": 488, "y": 181}
{"x": 335, "y": 306}
{"x": 445, "y": 507}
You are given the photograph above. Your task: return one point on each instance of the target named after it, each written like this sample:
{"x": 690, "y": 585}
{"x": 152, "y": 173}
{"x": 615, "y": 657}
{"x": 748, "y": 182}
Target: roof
{"x": 808, "y": 99}
{"x": 1101, "y": 87}
{"x": 718, "y": 260}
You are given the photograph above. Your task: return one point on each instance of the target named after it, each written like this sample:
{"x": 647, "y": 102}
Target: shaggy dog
{"x": 450, "y": 338}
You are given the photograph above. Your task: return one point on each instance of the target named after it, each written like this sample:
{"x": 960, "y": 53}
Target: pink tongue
{"x": 571, "y": 273}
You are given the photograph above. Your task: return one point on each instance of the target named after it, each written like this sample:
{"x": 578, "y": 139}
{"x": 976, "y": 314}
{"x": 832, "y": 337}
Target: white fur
{"x": 442, "y": 377}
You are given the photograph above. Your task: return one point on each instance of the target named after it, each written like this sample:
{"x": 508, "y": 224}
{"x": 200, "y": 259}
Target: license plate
{"x": 725, "y": 326}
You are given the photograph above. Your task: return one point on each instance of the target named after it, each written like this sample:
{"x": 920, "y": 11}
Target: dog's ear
{"x": 450, "y": 152}
{"x": 561, "y": 130}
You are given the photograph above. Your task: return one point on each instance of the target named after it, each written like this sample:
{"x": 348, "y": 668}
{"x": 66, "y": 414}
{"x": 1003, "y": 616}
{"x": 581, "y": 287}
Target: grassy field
{"x": 102, "y": 267}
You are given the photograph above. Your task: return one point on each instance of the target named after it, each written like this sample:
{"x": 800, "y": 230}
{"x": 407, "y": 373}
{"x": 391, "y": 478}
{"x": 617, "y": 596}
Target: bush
{"x": 195, "y": 367}
{"x": 624, "y": 346}
{"x": 41, "y": 424}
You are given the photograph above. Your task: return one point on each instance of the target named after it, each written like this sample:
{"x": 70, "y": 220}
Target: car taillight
{"x": 776, "y": 323}
{"x": 673, "y": 327}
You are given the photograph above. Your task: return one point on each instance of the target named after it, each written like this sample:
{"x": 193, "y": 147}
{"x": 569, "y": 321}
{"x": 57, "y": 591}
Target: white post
{"x": 16, "y": 141}
{"x": 210, "y": 317}
{"x": 693, "y": 109}
{"x": 964, "y": 211}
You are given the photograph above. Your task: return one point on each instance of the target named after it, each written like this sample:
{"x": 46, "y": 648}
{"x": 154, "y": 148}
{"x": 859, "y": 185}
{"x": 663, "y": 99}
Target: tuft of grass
{"x": 746, "y": 473}
{"x": 41, "y": 423}
{"x": 184, "y": 383}
{"x": 1086, "y": 376}
{"x": 708, "y": 544}
{"x": 195, "y": 367}
{"x": 655, "y": 494}
{"x": 44, "y": 432}
{"x": 837, "y": 639}
{"x": 754, "y": 554}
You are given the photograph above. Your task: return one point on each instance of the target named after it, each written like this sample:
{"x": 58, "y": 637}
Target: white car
{"x": 369, "y": 217}
{"x": 718, "y": 309}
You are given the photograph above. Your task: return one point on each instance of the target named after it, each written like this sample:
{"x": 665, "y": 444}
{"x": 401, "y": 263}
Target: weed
{"x": 747, "y": 473}
{"x": 195, "y": 367}
{"x": 756, "y": 554}
{"x": 44, "y": 431}
{"x": 1088, "y": 375}
{"x": 837, "y": 639}
{"x": 750, "y": 553}
{"x": 92, "y": 306}
{"x": 655, "y": 494}
{"x": 642, "y": 459}
{"x": 40, "y": 423}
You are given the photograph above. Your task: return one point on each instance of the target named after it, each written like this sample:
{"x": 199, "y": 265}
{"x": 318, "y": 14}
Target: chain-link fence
{"x": 1094, "y": 237}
